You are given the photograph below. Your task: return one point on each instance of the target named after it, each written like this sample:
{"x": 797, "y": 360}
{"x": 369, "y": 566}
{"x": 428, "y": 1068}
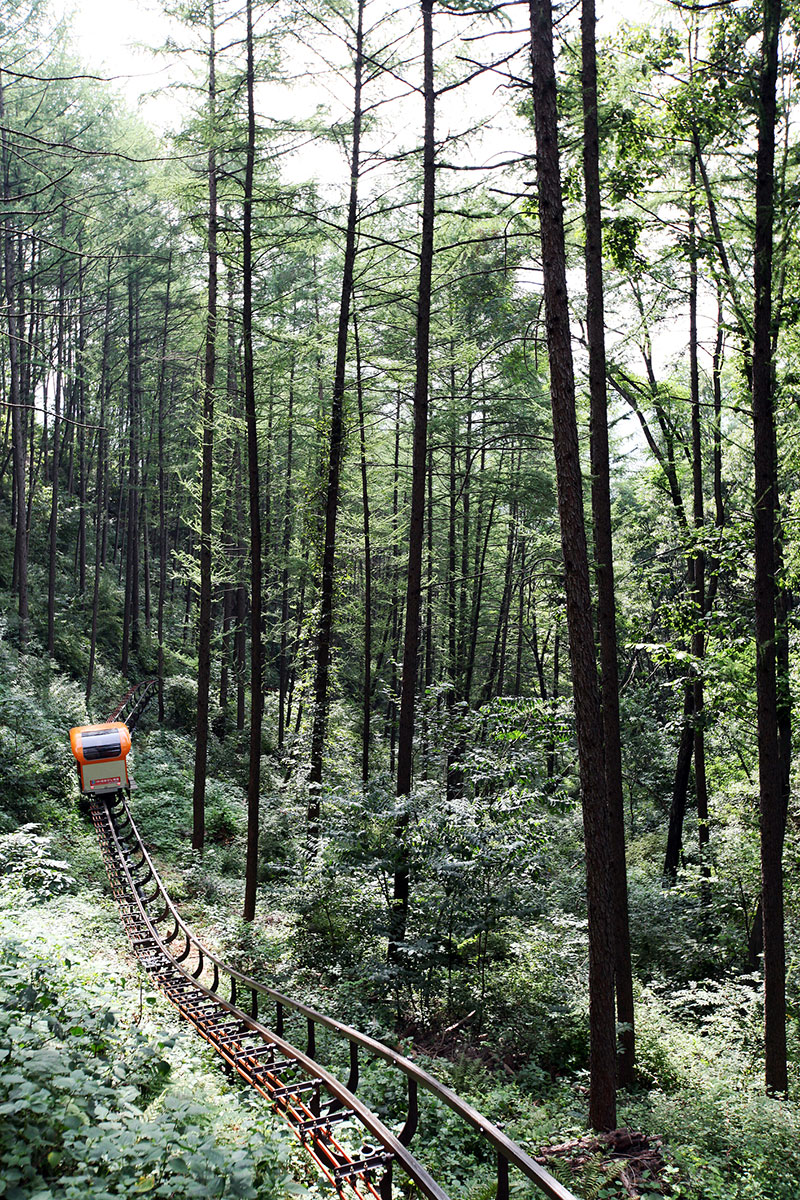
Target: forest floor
{"x": 120, "y": 1099}
{"x": 103, "y": 1090}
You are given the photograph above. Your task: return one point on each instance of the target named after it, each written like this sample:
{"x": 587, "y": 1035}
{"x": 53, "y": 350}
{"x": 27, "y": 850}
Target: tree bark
{"x": 698, "y": 554}
{"x": 323, "y": 647}
{"x": 495, "y": 670}
{"x": 207, "y": 467}
{"x": 764, "y": 449}
{"x": 14, "y": 393}
{"x": 366, "y": 706}
{"x": 56, "y": 468}
{"x": 391, "y": 708}
{"x": 256, "y": 648}
{"x": 162, "y": 500}
{"x": 101, "y": 460}
{"x": 603, "y": 545}
{"x": 283, "y": 662}
{"x": 405, "y": 739}
{"x": 81, "y": 384}
{"x": 680, "y": 787}
{"x": 130, "y": 615}
{"x": 586, "y": 695}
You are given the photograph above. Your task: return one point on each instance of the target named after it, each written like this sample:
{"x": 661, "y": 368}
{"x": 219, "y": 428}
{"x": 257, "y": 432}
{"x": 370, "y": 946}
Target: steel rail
{"x": 157, "y": 926}
{"x": 211, "y": 1015}
{"x": 145, "y": 692}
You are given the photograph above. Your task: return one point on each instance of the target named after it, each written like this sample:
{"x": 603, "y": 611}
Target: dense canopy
{"x": 422, "y": 410}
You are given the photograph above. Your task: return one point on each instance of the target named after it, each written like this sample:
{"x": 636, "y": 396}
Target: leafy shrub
{"x": 225, "y": 812}
{"x": 535, "y": 1001}
{"x": 94, "y": 1106}
{"x": 37, "y": 708}
{"x": 276, "y": 844}
{"x": 669, "y": 928}
{"x": 26, "y": 856}
{"x": 180, "y": 702}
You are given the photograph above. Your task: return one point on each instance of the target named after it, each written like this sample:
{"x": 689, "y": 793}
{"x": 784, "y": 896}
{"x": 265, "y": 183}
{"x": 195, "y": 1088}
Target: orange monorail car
{"x": 101, "y": 751}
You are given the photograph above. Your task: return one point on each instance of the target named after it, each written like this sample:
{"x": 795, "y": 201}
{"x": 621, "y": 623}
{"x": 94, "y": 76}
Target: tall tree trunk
{"x": 520, "y": 621}
{"x": 269, "y": 557}
{"x": 101, "y": 461}
{"x": 405, "y": 740}
{"x": 550, "y": 756}
{"x": 56, "y": 467}
{"x": 162, "y": 500}
{"x": 698, "y": 554}
{"x": 240, "y": 649}
{"x": 323, "y": 648}
{"x": 283, "y": 662}
{"x": 207, "y": 467}
{"x": 463, "y": 591}
{"x": 231, "y": 534}
{"x": 391, "y": 713}
{"x": 240, "y": 597}
{"x": 256, "y": 647}
{"x": 494, "y": 671}
{"x": 81, "y": 382}
{"x": 143, "y": 520}
{"x": 14, "y": 391}
{"x": 603, "y": 545}
{"x": 680, "y": 787}
{"x": 452, "y": 498}
{"x": 366, "y": 707}
{"x": 131, "y": 502}
{"x": 586, "y": 694}
{"x": 428, "y": 677}
{"x": 481, "y": 548}
{"x": 131, "y": 621}
{"x": 764, "y": 448}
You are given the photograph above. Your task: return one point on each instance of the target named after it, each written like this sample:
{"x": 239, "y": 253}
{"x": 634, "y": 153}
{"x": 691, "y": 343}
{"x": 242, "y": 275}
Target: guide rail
{"x": 313, "y": 1102}
{"x": 133, "y": 703}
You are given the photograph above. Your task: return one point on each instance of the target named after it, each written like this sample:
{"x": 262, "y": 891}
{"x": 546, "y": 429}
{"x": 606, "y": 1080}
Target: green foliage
{"x": 94, "y": 1103}
{"x": 180, "y": 702}
{"x": 37, "y": 707}
{"x": 26, "y": 856}
{"x": 620, "y": 240}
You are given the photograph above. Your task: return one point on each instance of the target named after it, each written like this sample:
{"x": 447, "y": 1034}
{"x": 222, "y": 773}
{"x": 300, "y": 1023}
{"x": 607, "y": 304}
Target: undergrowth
{"x": 102, "y": 1093}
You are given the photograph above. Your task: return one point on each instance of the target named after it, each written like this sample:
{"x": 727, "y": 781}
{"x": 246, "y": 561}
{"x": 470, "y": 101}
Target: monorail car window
{"x": 105, "y": 744}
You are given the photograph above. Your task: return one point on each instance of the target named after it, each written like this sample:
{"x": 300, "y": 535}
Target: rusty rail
{"x": 133, "y": 703}
{"x": 313, "y": 1101}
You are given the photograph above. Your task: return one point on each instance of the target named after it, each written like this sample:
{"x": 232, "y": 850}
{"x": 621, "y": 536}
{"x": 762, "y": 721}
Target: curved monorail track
{"x": 224, "y": 1006}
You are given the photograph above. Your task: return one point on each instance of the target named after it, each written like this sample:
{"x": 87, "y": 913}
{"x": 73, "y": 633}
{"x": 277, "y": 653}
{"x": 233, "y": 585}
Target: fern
{"x": 599, "y": 1177}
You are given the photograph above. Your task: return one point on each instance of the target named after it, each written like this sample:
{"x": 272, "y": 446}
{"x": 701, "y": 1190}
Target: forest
{"x": 420, "y": 407}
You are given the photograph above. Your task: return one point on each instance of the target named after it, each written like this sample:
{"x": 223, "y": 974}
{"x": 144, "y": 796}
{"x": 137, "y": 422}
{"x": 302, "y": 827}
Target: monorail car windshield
{"x": 106, "y": 743}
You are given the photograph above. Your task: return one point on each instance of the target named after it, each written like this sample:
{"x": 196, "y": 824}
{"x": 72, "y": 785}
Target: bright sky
{"x": 116, "y": 36}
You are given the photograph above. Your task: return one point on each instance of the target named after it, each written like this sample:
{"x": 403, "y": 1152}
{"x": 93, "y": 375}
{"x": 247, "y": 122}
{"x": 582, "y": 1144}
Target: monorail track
{"x": 352, "y": 1147}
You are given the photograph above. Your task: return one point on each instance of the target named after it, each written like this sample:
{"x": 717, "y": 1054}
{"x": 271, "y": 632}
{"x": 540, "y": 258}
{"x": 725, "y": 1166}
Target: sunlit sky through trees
{"x": 124, "y": 42}
{"x": 120, "y": 39}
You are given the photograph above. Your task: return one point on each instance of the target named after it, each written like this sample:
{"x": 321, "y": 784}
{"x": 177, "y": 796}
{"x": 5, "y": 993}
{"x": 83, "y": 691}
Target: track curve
{"x": 325, "y": 1114}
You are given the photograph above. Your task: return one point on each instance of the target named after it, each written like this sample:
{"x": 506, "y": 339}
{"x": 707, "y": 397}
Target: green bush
{"x": 226, "y": 812}
{"x": 95, "y": 1105}
{"x": 37, "y": 708}
{"x": 26, "y": 857}
{"x": 180, "y": 702}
